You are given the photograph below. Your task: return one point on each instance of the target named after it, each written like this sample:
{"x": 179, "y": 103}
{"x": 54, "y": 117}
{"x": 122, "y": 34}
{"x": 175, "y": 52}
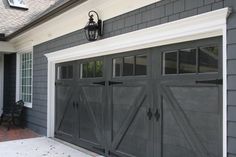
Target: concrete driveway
{"x": 41, "y": 147}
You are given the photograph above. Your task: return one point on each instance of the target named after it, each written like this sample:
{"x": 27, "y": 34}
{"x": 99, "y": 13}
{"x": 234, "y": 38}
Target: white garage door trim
{"x": 201, "y": 26}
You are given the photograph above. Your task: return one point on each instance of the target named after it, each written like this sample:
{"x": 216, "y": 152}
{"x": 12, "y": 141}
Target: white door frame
{"x": 201, "y": 26}
{"x": 1, "y": 81}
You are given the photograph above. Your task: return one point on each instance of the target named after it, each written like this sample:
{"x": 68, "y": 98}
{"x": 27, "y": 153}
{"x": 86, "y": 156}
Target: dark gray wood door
{"x": 130, "y": 124}
{"x": 190, "y": 99}
{"x": 157, "y": 102}
{"x": 130, "y": 106}
{"x": 65, "y": 104}
{"x": 91, "y": 101}
{"x": 191, "y": 117}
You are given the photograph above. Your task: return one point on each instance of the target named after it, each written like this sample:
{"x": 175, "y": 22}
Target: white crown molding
{"x": 192, "y": 28}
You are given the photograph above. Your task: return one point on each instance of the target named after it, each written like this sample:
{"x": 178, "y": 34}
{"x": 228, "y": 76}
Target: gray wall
{"x": 155, "y": 14}
{"x": 231, "y": 41}
{"x": 9, "y": 89}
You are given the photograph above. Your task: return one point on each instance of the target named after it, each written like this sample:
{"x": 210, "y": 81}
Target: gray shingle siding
{"x": 231, "y": 54}
{"x": 154, "y": 14}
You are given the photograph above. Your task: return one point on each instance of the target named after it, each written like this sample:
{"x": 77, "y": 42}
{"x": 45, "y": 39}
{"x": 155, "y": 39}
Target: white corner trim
{"x": 17, "y": 97}
{"x": 224, "y": 68}
{"x": 206, "y": 25}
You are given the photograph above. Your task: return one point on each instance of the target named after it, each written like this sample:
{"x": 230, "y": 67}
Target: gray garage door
{"x": 164, "y": 101}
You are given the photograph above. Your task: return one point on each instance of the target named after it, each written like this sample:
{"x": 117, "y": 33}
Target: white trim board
{"x": 202, "y": 26}
{"x": 27, "y": 49}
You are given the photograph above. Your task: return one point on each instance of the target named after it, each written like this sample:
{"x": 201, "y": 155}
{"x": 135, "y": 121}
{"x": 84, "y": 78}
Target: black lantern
{"x": 93, "y": 29}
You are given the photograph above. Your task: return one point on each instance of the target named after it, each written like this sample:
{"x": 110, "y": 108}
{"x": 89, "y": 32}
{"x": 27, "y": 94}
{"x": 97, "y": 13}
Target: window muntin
{"x": 26, "y": 77}
{"x": 191, "y": 61}
{"x": 130, "y": 66}
{"x": 92, "y": 69}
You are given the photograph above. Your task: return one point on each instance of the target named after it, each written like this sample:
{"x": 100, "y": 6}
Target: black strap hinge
{"x": 114, "y": 83}
{"x": 103, "y": 83}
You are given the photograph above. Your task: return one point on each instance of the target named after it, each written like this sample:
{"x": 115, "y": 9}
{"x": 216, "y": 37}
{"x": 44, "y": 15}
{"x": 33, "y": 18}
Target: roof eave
{"x": 44, "y": 18}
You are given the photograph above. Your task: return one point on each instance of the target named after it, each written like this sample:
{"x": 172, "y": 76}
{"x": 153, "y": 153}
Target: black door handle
{"x": 149, "y": 114}
{"x": 114, "y": 83}
{"x": 157, "y": 115}
{"x": 103, "y": 83}
{"x": 216, "y": 81}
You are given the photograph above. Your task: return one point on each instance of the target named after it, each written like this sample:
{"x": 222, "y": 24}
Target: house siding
{"x": 231, "y": 64}
{"x": 151, "y": 15}
{"x": 9, "y": 88}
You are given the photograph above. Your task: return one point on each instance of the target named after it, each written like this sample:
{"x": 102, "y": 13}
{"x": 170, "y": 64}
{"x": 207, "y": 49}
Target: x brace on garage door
{"x": 125, "y": 105}
{"x": 197, "y": 27}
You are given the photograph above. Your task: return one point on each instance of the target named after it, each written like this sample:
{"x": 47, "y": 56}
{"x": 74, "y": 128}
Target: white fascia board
{"x": 197, "y": 27}
{"x": 6, "y": 47}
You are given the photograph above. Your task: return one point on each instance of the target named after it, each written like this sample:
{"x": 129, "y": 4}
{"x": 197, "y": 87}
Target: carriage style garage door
{"x": 157, "y": 102}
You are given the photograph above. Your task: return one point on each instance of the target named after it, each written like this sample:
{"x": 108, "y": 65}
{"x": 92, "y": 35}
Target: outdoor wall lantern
{"x": 93, "y": 29}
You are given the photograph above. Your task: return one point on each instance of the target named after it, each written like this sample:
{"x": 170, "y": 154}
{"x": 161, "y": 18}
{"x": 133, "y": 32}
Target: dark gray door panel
{"x": 142, "y": 111}
{"x": 65, "y": 104}
{"x": 130, "y": 125}
{"x": 90, "y": 116}
{"x": 191, "y": 121}
{"x": 190, "y": 104}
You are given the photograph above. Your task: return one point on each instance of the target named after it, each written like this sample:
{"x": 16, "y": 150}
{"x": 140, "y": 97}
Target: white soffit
{"x": 192, "y": 28}
{"x": 78, "y": 17}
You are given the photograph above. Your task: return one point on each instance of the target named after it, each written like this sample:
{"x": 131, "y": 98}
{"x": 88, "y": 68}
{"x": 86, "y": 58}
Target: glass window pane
{"x": 91, "y": 68}
{"x": 170, "y": 63}
{"x": 208, "y": 59}
{"x": 98, "y": 68}
{"x": 141, "y": 65}
{"x": 187, "y": 61}
{"x": 26, "y": 77}
{"x": 84, "y": 70}
{"x": 63, "y": 72}
{"x": 70, "y": 72}
{"x": 117, "y": 67}
{"x": 128, "y": 68}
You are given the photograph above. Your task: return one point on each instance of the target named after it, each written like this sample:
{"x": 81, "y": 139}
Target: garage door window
{"x": 208, "y": 59}
{"x": 191, "y": 61}
{"x": 65, "y": 72}
{"x": 92, "y": 69}
{"x": 130, "y": 66}
{"x": 187, "y": 61}
{"x": 170, "y": 62}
